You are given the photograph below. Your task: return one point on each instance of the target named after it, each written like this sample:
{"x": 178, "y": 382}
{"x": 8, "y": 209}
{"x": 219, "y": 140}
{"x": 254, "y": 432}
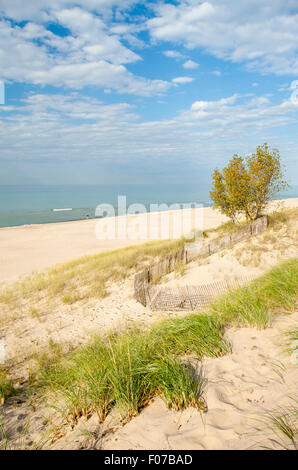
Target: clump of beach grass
{"x": 178, "y": 385}
{"x": 197, "y": 334}
{"x": 6, "y": 386}
{"x": 292, "y": 342}
{"x": 254, "y": 304}
{"x": 179, "y": 269}
{"x": 282, "y": 425}
{"x": 292, "y": 335}
{"x": 282, "y": 216}
{"x": 125, "y": 371}
{"x": 34, "y": 313}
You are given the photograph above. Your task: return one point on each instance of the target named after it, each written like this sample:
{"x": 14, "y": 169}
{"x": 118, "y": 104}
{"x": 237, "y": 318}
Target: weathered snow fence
{"x": 189, "y": 297}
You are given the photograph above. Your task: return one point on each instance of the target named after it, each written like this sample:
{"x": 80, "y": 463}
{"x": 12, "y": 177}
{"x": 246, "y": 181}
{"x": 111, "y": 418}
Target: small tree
{"x": 246, "y": 185}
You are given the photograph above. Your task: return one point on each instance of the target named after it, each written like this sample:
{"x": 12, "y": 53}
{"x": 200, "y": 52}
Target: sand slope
{"x": 240, "y": 388}
{"x": 75, "y": 324}
{"x": 258, "y": 377}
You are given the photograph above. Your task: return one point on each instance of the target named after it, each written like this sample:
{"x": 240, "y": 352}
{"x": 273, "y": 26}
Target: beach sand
{"x": 34, "y": 248}
{"x": 258, "y": 378}
{"x": 241, "y": 385}
{"x": 26, "y": 249}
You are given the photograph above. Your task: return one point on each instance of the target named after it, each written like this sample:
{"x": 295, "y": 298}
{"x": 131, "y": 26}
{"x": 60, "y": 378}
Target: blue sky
{"x": 111, "y": 91}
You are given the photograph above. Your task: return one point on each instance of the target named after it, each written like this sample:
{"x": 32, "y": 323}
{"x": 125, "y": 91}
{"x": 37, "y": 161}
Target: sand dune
{"x": 241, "y": 388}
{"x": 76, "y": 323}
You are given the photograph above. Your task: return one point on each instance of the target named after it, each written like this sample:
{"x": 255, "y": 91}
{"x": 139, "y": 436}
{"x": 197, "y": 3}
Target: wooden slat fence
{"x": 144, "y": 281}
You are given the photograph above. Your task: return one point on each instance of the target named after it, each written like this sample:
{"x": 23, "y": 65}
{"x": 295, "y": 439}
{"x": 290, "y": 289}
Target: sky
{"x": 124, "y": 91}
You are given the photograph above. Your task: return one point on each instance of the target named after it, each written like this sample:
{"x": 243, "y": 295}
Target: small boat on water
{"x": 65, "y": 209}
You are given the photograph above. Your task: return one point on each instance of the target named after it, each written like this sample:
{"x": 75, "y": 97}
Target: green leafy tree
{"x": 245, "y": 186}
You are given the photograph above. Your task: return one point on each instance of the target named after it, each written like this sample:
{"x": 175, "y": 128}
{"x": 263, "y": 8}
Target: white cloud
{"x": 173, "y": 54}
{"x": 182, "y": 80}
{"x": 203, "y": 105}
{"x": 73, "y": 106}
{"x": 91, "y": 40}
{"x": 262, "y": 34}
{"x": 217, "y": 73}
{"x": 190, "y": 64}
{"x": 87, "y": 56}
{"x": 41, "y": 10}
{"x": 73, "y": 127}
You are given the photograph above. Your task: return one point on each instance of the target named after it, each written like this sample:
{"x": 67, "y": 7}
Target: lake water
{"x": 26, "y": 205}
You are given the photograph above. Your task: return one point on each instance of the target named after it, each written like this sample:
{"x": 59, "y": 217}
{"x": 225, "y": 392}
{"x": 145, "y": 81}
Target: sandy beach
{"x": 148, "y": 227}
{"x": 34, "y": 248}
{"x": 234, "y": 400}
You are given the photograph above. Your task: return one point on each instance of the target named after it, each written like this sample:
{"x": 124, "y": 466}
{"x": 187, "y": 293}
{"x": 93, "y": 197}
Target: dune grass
{"x": 125, "y": 371}
{"x": 280, "y": 217}
{"x": 276, "y": 219}
{"x": 256, "y": 303}
{"x": 282, "y": 426}
{"x": 292, "y": 336}
{"x": 6, "y": 386}
{"x": 196, "y": 334}
{"x": 179, "y": 269}
{"x": 80, "y": 279}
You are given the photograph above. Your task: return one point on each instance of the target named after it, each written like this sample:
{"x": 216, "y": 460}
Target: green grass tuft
{"x": 256, "y": 303}
{"x": 283, "y": 426}
{"x": 6, "y": 386}
{"x": 178, "y": 384}
{"x": 196, "y": 334}
{"x": 126, "y": 371}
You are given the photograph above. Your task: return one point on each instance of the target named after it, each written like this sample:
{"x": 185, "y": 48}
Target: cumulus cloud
{"x": 90, "y": 38}
{"x": 261, "y": 34}
{"x": 97, "y": 42}
{"x": 71, "y": 127}
{"x": 88, "y": 55}
{"x": 182, "y": 80}
{"x": 174, "y": 54}
{"x": 190, "y": 64}
{"x": 41, "y": 10}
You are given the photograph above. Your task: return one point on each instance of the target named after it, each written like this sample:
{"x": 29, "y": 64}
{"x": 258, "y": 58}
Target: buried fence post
{"x": 147, "y": 297}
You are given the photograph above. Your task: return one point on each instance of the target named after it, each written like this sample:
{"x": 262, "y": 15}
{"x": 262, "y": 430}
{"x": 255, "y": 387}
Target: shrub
{"x": 245, "y": 186}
